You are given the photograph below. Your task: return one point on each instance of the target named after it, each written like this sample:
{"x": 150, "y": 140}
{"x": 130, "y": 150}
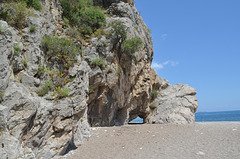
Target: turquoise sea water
{"x": 209, "y": 116}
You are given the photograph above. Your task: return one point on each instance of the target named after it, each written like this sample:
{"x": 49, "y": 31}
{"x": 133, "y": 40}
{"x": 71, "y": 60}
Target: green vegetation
{"x": 97, "y": 62}
{"x": 153, "y": 106}
{"x": 16, "y": 11}
{"x": 83, "y": 15}
{"x": 132, "y": 45}
{"x": 119, "y": 30}
{"x": 32, "y": 28}
{"x": 17, "y": 48}
{"x": 154, "y": 94}
{"x": 18, "y": 17}
{"x": 90, "y": 89}
{"x": 100, "y": 32}
{"x": 66, "y": 21}
{"x": 91, "y": 20}
{"x": 60, "y": 50}
{"x": 24, "y": 61}
{"x": 35, "y": 4}
{"x": 72, "y": 32}
{"x": 47, "y": 86}
{"x": 40, "y": 71}
{"x": 61, "y": 92}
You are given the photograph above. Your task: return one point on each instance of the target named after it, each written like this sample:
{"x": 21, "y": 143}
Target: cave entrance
{"x": 137, "y": 120}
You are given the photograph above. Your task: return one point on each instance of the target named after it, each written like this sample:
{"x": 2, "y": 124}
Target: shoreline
{"x": 198, "y": 140}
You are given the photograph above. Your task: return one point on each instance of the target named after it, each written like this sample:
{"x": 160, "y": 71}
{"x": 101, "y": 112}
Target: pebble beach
{"x": 211, "y": 140}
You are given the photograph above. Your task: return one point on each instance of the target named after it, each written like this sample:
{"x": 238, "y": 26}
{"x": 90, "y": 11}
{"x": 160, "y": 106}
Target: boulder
{"x": 176, "y": 104}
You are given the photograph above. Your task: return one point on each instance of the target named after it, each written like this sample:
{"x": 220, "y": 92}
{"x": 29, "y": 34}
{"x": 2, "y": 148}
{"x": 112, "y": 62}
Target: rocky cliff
{"x": 56, "y": 81}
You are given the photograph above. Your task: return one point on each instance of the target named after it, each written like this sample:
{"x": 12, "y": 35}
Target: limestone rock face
{"x": 175, "y": 104}
{"x": 44, "y": 126}
{"x": 107, "y": 3}
{"x": 32, "y": 126}
{"x": 121, "y": 90}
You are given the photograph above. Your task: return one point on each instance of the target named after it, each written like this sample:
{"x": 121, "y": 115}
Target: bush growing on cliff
{"x": 32, "y": 28}
{"x": 17, "y": 48}
{"x": 97, "y": 62}
{"x": 153, "y": 106}
{"x": 15, "y": 13}
{"x": 91, "y": 20}
{"x": 35, "y": 4}
{"x": 119, "y": 30}
{"x": 154, "y": 94}
{"x": 61, "y": 92}
{"x": 47, "y": 86}
{"x": 130, "y": 46}
{"x": 83, "y": 15}
{"x": 60, "y": 50}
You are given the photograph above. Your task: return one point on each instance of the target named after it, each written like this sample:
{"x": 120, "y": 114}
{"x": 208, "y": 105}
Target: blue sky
{"x": 197, "y": 42}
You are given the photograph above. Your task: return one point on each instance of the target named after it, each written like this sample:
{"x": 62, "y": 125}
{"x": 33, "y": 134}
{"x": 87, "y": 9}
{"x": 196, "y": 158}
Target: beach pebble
{"x": 234, "y": 129}
{"x": 141, "y": 148}
{"x": 200, "y": 153}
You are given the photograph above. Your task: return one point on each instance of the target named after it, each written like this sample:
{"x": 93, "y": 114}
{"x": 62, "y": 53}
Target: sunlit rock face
{"x": 174, "y": 104}
{"x": 34, "y": 126}
{"x": 123, "y": 93}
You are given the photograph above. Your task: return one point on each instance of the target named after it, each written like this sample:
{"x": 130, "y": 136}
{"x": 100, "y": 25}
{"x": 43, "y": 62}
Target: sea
{"x": 208, "y": 117}
{"x": 217, "y": 116}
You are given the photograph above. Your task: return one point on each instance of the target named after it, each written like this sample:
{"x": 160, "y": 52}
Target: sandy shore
{"x": 216, "y": 140}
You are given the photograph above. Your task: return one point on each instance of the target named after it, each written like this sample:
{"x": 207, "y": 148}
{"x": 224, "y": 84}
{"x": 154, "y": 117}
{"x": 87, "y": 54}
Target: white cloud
{"x": 164, "y": 36}
{"x": 157, "y": 66}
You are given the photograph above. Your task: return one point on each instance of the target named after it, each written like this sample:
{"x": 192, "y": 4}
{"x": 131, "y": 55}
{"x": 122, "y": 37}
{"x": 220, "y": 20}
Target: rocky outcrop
{"x": 34, "y": 125}
{"x": 121, "y": 91}
{"x": 107, "y": 3}
{"x": 175, "y": 104}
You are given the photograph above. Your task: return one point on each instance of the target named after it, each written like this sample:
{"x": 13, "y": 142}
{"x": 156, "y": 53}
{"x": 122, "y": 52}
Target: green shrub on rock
{"x": 45, "y": 88}
{"x": 97, "y": 62}
{"x": 154, "y": 94}
{"x": 91, "y": 20}
{"x": 60, "y": 50}
{"x": 119, "y": 30}
{"x": 132, "y": 45}
{"x": 61, "y": 92}
{"x": 32, "y": 28}
{"x": 35, "y": 4}
{"x": 83, "y": 15}
{"x": 17, "y": 48}
{"x": 153, "y": 106}
{"x": 15, "y": 13}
